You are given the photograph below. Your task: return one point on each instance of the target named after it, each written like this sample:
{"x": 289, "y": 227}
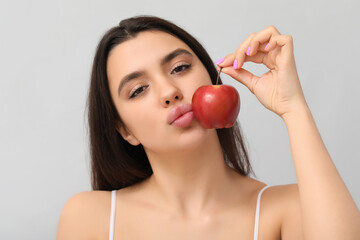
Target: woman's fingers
{"x": 226, "y": 61}
{"x": 229, "y": 59}
{"x": 268, "y": 56}
{"x": 256, "y": 43}
{"x": 256, "y": 47}
{"x": 243, "y": 76}
{"x": 285, "y": 42}
{"x": 261, "y": 39}
{"x": 240, "y": 52}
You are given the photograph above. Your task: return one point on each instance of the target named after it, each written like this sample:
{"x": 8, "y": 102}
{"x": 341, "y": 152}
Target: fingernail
{"x": 220, "y": 61}
{"x": 248, "y": 51}
{"x": 235, "y": 65}
{"x": 267, "y": 45}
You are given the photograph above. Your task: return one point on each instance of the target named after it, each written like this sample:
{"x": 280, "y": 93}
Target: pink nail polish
{"x": 248, "y": 51}
{"x": 235, "y": 65}
{"x": 267, "y": 45}
{"x": 220, "y": 61}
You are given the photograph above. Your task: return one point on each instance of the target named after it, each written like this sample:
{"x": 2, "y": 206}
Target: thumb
{"x": 243, "y": 76}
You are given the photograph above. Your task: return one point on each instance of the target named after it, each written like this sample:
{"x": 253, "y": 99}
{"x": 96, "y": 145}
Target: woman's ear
{"x": 126, "y": 134}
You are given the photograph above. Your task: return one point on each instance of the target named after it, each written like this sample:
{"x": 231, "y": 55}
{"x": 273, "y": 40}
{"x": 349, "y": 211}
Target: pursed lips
{"x": 178, "y": 111}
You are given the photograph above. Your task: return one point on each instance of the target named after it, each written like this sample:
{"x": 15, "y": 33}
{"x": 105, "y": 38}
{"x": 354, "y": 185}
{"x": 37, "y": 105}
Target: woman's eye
{"x": 137, "y": 91}
{"x": 181, "y": 68}
{"x": 176, "y": 70}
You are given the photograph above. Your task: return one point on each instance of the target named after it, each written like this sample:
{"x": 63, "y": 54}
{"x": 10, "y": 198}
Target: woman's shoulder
{"x": 285, "y": 196}
{"x": 280, "y": 197}
{"x": 85, "y": 215}
{"x": 90, "y": 198}
{"x": 280, "y": 210}
{"x": 277, "y": 201}
{"x": 281, "y": 203}
{"x": 273, "y": 192}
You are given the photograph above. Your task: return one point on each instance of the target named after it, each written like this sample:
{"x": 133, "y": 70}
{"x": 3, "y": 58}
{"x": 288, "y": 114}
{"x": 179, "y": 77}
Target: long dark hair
{"x": 115, "y": 163}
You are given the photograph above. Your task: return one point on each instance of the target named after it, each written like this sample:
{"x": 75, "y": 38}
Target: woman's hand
{"x": 279, "y": 89}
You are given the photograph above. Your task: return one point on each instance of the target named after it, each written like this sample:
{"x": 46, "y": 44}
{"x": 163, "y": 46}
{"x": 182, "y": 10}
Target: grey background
{"x": 46, "y": 50}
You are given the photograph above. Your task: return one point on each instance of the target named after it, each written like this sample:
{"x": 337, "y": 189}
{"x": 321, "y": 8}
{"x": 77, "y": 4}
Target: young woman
{"x": 181, "y": 181}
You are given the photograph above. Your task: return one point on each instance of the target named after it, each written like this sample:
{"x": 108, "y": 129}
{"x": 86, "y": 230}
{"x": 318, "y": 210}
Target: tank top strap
{"x": 112, "y": 214}
{"x": 257, "y": 213}
{"x": 113, "y": 207}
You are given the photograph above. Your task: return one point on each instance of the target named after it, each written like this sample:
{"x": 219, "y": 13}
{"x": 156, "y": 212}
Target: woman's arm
{"x": 327, "y": 208}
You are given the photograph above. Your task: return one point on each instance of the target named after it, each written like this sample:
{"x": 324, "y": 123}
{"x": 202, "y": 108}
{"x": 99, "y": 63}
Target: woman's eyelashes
{"x": 182, "y": 67}
{"x": 137, "y": 91}
{"x": 178, "y": 69}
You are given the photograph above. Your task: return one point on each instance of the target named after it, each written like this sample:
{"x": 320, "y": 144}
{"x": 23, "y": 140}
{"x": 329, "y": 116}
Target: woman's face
{"x": 159, "y": 81}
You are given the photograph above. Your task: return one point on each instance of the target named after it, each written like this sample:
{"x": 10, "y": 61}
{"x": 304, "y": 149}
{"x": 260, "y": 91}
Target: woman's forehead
{"x": 143, "y": 51}
{"x": 148, "y": 44}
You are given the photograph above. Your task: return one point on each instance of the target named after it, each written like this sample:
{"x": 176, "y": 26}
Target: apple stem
{"x": 217, "y": 79}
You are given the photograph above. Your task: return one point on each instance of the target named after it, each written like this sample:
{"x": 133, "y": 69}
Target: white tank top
{"x": 113, "y": 206}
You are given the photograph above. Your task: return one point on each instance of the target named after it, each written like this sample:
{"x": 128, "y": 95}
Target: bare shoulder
{"x": 285, "y": 200}
{"x": 85, "y": 215}
{"x": 278, "y": 197}
{"x": 283, "y": 193}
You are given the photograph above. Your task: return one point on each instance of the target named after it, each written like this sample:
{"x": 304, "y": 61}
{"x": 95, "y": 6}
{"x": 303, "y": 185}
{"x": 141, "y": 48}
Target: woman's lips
{"x": 185, "y": 120}
{"x": 181, "y": 115}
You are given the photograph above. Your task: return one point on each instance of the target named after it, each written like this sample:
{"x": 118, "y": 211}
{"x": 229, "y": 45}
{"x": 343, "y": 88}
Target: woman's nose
{"x": 170, "y": 95}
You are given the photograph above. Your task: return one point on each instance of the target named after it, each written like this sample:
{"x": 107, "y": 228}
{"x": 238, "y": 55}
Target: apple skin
{"x": 216, "y": 106}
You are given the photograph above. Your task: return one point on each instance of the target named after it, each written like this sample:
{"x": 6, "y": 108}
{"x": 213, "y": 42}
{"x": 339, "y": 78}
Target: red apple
{"x": 216, "y": 106}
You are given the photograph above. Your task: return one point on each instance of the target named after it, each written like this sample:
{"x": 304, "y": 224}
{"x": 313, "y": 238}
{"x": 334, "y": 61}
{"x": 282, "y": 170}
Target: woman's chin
{"x": 189, "y": 139}
{"x": 192, "y": 137}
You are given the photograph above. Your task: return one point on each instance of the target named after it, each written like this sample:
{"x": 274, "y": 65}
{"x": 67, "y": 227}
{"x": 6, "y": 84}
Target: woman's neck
{"x": 191, "y": 183}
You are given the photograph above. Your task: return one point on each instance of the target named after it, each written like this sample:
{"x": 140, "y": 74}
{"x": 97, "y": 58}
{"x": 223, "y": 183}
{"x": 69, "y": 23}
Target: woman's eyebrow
{"x": 174, "y": 54}
{"x": 131, "y": 76}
